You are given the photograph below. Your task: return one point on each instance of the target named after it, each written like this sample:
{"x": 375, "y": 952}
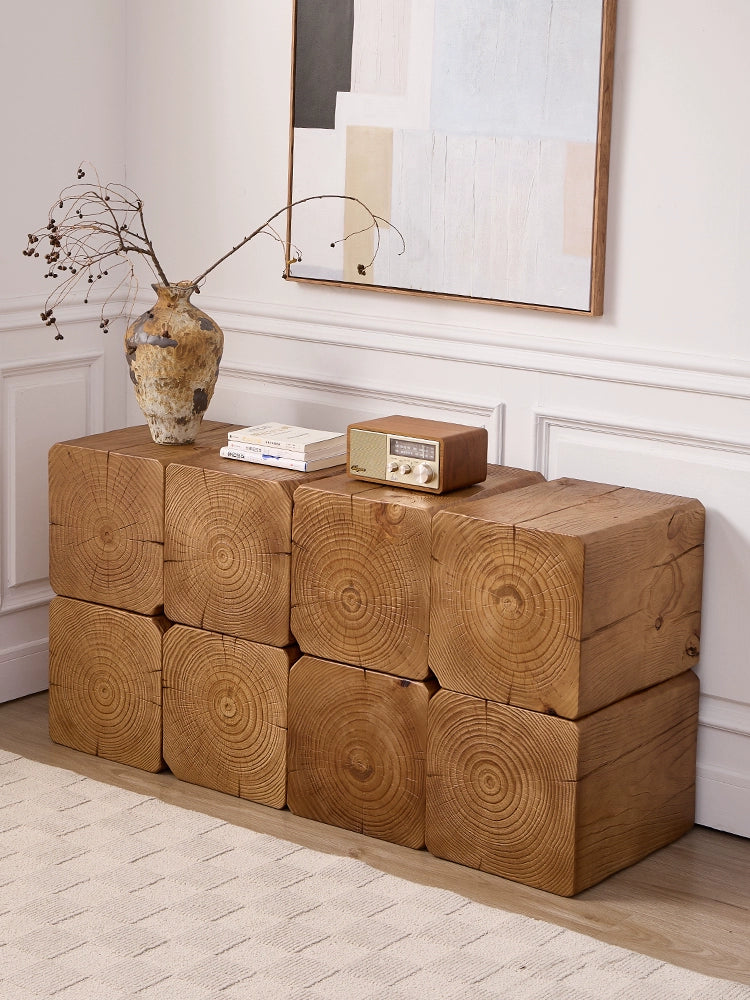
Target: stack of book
{"x": 286, "y": 447}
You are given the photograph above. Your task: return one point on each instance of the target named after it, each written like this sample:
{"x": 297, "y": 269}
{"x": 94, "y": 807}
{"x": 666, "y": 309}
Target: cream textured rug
{"x": 107, "y": 894}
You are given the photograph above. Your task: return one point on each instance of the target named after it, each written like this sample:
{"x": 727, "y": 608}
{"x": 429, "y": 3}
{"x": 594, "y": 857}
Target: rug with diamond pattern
{"x": 106, "y": 894}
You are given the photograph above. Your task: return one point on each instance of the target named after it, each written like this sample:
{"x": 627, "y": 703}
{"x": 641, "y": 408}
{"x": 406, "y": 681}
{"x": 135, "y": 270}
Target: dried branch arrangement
{"x": 96, "y": 231}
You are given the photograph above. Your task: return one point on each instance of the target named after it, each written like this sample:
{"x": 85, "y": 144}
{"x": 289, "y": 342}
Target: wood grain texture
{"x": 687, "y": 903}
{"x": 106, "y": 528}
{"x": 225, "y": 713}
{"x": 361, "y": 569}
{"x": 106, "y": 502}
{"x": 558, "y": 804}
{"x": 357, "y": 742}
{"x": 227, "y": 552}
{"x": 566, "y": 596}
{"x": 105, "y": 682}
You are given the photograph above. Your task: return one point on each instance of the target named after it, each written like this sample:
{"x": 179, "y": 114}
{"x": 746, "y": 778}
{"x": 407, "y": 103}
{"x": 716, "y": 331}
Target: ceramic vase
{"x": 173, "y": 352}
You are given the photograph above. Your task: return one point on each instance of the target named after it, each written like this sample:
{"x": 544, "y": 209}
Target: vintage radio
{"x": 417, "y": 454}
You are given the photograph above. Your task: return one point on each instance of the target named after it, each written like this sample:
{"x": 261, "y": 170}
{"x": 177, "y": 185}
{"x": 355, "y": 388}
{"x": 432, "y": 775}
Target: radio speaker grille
{"x": 368, "y": 451}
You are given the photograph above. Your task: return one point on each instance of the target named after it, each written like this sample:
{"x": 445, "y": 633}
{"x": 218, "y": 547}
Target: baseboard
{"x": 24, "y": 670}
{"x": 723, "y": 781}
{"x": 723, "y": 800}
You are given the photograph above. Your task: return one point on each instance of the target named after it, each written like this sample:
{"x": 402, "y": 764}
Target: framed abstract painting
{"x": 480, "y": 128}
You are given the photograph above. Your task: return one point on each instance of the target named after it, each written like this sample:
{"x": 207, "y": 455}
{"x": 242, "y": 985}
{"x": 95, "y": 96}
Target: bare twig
{"x": 93, "y": 228}
{"x": 375, "y": 222}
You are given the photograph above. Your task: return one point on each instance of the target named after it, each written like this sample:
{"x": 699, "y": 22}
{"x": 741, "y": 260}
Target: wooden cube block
{"x": 560, "y": 804}
{"x": 566, "y": 596}
{"x": 228, "y": 539}
{"x": 225, "y": 713}
{"x": 357, "y": 742}
{"x": 105, "y": 682}
{"x": 106, "y": 499}
{"x": 361, "y": 568}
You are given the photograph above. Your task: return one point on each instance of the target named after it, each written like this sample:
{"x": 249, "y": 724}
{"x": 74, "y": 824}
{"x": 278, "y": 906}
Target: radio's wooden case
{"x": 459, "y": 453}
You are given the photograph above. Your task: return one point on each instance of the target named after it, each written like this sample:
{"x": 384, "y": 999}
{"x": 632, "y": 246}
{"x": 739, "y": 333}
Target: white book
{"x": 295, "y": 464}
{"x": 327, "y": 449}
{"x": 286, "y": 436}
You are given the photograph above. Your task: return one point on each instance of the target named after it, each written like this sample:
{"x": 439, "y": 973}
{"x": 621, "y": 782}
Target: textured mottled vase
{"x": 173, "y": 353}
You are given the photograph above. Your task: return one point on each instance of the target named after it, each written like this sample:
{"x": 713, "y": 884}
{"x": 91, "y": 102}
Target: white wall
{"x": 654, "y": 394}
{"x": 57, "y": 109}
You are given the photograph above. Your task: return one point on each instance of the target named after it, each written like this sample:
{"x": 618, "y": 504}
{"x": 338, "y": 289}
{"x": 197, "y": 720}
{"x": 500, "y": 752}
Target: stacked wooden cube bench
{"x": 358, "y": 699}
{"x": 500, "y": 674}
{"x": 562, "y": 744}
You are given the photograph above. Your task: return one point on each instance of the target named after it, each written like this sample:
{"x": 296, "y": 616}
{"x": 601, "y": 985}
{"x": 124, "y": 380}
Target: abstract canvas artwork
{"x": 479, "y": 127}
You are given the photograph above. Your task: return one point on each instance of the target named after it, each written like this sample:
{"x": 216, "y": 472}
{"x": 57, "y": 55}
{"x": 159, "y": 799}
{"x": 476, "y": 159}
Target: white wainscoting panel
{"x": 717, "y": 472}
{"x": 41, "y": 402}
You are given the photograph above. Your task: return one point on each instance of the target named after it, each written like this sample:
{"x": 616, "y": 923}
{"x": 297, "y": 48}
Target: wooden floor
{"x": 688, "y": 904}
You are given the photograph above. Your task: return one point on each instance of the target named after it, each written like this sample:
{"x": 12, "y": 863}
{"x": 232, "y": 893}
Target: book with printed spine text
{"x": 281, "y": 462}
{"x": 337, "y": 448}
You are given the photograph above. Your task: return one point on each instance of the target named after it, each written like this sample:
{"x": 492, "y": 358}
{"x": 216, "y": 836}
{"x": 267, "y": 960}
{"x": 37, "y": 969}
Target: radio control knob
{"x": 393, "y": 466}
{"x": 424, "y": 473}
{"x": 405, "y": 469}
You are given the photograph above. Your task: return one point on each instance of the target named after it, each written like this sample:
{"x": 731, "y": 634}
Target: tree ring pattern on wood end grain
{"x": 500, "y": 788}
{"x": 105, "y": 682}
{"x": 360, "y": 587}
{"x": 356, "y": 750}
{"x": 227, "y": 554}
{"x": 506, "y": 613}
{"x": 225, "y": 714}
{"x": 106, "y": 528}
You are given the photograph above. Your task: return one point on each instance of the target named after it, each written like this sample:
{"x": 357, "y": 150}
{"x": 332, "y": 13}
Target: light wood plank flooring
{"x": 688, "y": 904}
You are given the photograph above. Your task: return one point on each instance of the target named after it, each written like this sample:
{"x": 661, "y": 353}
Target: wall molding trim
{"x": 23, "y": 313}
{"x": 473, "y": 345}
{"x": 25, "y": 596}
{"x": 491, "y": 415}
{"x": 546, "y": 423}
{"x": 87, "y": 370}
{"x": 23, "y": 649}
{"x": 678, "y": 371}
{"x": 726, "y": 715}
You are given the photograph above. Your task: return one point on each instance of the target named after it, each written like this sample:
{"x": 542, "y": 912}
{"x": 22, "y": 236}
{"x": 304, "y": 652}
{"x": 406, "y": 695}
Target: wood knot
{"x": 693, "y": 646}
{"x": 227, "y": 707}
{"x": 107, "y": 536}
{"x": 359, "y": 767}
{"x": 509, "y": 600}
{"x": 351, "y": 599}
{"x": 388, "y": 517}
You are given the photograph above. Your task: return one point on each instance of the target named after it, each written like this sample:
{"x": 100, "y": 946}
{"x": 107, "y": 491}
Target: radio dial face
{"x": 412, "y": 461}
